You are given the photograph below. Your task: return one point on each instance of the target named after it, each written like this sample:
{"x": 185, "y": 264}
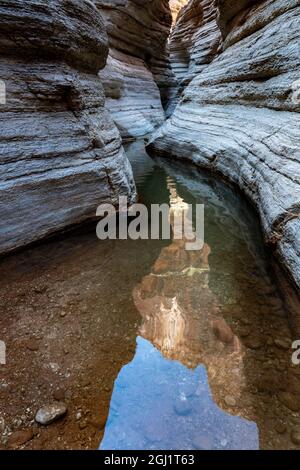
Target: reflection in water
{"x": 161, "y": 404}
{"x": 217, "y": 311}
{"x": 181, "y": 318}
{"x": 180, "y": 313}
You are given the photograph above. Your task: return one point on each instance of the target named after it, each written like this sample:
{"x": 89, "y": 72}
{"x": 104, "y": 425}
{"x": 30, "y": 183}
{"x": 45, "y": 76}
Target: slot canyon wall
{"x": 232, "y": 66}
{"x": 238, "y": 64}
{"x": 138, "y": 78}
{"x": 195, "y": 39}
{"x": 61, "y": 153}
{"x": 175, "y": 7}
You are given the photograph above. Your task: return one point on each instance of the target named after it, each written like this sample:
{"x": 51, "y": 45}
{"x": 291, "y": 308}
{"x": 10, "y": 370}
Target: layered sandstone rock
{"x": 61, "y": 154}
{"x": 195, "y": 39}
{"x": 176, "y": 6}
{"x": 137, "y": 79}
{"x": 240, "y": 117}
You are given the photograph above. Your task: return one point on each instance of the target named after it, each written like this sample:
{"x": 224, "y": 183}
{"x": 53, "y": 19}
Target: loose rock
{"x": 33, "y": 345}
{"x": 59, "y": 394}
{"x": 203, "y": 442}
{"x": 223, "y": 331}
{"x": 291, "y": 401}
{"x": 252, "y": 342}
{"x": 230, "y": 401}
{"x": 295, "y": 436}
{"x": 283, "y": 343}
{"x": 50, "y": 413}
{"x": 20, "y": 438}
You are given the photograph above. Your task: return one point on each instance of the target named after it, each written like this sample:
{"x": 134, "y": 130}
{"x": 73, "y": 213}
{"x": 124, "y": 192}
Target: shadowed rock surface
{"x": 239, "y": 116}
{"x": 138, "y": 80}
{"x": 61, "y": 154}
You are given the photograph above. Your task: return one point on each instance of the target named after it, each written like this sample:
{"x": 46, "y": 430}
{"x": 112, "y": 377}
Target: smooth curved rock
{"x": 61, "y": 154}
{"x": 138, "y": 80}
{"x": 50, "y": 413}
{"x": 194, "y": 40}
{"x": 239, "y": 117}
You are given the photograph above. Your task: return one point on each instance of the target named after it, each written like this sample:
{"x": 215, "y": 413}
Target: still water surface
{"x": 151, "y": 346}
{"x": 212, "y": 368}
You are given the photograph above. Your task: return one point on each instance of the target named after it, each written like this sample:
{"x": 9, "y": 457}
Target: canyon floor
{"x": 69, "y": 330}
{"x": 73, "y": 307}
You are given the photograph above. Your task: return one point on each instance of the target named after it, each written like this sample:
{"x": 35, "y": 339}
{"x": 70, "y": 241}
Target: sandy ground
{"x": 69, "y": 324}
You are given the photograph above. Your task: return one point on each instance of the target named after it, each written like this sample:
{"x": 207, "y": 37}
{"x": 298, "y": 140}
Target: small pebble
{"x": 182, "y": 407}
{"x": 50, "y": 413}
{"x": 230, "y": 401}
{"x": 33, "y": 345}
{"x": 59, "y": 394}
{"x": 295, "y": 436}
{"x": 280, "y": 428}
{"x": 203, "y": 443}
{"x": 20, "y": 438}
{"x": 282, "y": 343}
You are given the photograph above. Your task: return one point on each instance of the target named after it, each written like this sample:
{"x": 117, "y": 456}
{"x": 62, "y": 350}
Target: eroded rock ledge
{"x": 61, "y": 154}
{"x": 195, "y": 39}
{"x": 138, "y": 80}
{"x": 238, "y": 116}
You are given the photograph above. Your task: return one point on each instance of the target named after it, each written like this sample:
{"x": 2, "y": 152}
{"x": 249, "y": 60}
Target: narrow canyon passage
{"x": 143, "y": 344}
{"x": 214, "y": 328}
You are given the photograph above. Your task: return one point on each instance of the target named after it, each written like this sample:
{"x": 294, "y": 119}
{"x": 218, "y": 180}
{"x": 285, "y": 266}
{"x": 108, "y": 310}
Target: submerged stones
{"x": 290, "y": 400}
{"x": 223, "y": 331}
{"x": 282, "y": 343}
{"x": 202, "y": 442}
{"x": 19, "y": 438}
{"x": 230, "y": 401}
{"x": 295, "y": 436}
{"x": 182, "y": 406}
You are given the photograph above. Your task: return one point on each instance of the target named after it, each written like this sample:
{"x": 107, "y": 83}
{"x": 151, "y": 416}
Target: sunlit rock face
{"x": 195, "y": 39}
{"x": 176, "y": 6}
{"x": 61, "y": 154}
{"x": 239, "y": 116}
{"x": 138, "y": 80}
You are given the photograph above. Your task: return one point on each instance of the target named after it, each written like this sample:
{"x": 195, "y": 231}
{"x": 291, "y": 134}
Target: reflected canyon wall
{"x": 184, "y": 318}
{"x": 238, "y": 114}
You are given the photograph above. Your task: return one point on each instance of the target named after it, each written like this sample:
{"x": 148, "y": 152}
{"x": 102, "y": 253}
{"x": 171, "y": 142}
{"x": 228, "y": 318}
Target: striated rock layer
{"x": 239, "y": 116}
{"x": 194, "y": 40}
{"x": 176, "y": 6}
{"x": 60, "y": 152}
{"x": 137, "y": 79}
